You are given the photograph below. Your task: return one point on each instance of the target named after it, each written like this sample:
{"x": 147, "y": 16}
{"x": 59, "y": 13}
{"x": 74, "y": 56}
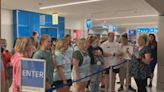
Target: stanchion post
{"x": 110, "y": 78}
{"x": 127, "y": 76}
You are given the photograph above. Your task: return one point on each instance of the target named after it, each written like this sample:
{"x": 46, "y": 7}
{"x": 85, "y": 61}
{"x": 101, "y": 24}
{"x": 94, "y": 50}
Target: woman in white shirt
{"x": 62, "y": 73}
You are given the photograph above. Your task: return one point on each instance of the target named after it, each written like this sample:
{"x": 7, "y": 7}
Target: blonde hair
{"x": 81, "y": 43}
{"x": 43, "y": 39}
{"x": 60, "y": 45}
{"x": 21, "y": 44}
{"x": 144, "y": 37}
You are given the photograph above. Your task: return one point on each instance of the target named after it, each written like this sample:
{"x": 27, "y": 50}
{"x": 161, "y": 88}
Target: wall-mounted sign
{"x": 42, "y": 19}
{"x": 114, "y": 29}
{"x": 147, "y": 30}
{"x": 33, "y": 75}
{"x": 55, "y": 19}
{"x": 132, "y": 33}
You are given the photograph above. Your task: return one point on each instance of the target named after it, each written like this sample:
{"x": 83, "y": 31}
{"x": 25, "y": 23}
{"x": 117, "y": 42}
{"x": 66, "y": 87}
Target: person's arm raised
{"x": 147, "y": 58}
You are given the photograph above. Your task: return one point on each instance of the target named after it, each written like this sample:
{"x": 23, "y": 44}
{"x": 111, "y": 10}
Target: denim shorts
{"x": 59, "y": 83}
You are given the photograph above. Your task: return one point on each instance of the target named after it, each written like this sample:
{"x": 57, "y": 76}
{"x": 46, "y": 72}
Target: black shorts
{"x": 59, "y": 83}
{"x": 114, "y": 71}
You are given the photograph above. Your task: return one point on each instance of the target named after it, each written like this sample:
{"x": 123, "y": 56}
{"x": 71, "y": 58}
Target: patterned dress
{"x": 138, "y": 69}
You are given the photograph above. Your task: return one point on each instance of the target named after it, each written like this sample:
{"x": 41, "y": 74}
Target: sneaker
{"x": 118, "y": 82}
{"x": 102, "y": 86}
{"x": 121, "y": 88}
{"x": 132, "y": 89}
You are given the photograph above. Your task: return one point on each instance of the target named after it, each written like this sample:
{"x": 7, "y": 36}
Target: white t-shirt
{"x": 69, "y": 52}
{"x": 111, "y": 47}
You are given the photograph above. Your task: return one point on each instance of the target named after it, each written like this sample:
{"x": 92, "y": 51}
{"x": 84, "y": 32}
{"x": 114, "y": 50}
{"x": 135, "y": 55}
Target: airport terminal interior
{"x": 69, "y": 22}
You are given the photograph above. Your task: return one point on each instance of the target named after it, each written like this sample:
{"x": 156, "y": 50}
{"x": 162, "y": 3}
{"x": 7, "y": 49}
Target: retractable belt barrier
{"x": 99, "y": 71}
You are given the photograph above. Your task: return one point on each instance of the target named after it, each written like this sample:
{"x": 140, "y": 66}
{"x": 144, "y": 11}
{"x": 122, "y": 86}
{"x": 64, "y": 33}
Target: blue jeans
{"x": 95, "y": 80}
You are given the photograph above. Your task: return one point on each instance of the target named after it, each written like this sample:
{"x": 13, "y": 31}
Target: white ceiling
{"x": 94, "y": 10}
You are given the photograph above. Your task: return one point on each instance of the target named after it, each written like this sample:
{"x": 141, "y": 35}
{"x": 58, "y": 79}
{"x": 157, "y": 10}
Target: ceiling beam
{"x": 157, "y": 4}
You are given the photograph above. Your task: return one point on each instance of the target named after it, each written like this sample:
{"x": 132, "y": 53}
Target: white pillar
{"x": 84, "y": 29}
{"x": 160, "y": 78}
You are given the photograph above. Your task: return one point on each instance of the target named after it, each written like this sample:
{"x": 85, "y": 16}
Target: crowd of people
{"x": 67, "y": 61}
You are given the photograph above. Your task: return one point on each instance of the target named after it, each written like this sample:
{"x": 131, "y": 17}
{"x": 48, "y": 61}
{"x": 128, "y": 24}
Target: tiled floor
{"x": 153, "y": 89}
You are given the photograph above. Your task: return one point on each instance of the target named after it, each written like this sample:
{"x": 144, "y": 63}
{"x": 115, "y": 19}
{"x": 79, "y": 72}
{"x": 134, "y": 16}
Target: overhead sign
{"x": 132, "y": 33}
{"x": 105, "y": 26}
{"x": 147, "y": 30}
{"x": 88, "y": 23}
{"x": 33, "y": 75}
{"x": 42, "y": 19}
{"x": 55, "y": 19}
{"x": 114, "y": 29}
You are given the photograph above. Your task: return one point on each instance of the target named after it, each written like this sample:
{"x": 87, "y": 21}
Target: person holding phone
{"x": 97, "y": 62}
{"x": 127, "y": 51}
{"x": 140, "y": 63}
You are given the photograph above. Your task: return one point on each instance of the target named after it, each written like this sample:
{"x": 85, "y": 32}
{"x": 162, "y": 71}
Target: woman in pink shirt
{"x": 23, "y": 48}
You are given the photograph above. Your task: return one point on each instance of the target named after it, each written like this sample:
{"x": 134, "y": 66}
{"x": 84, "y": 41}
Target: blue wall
{"x": 25, "y": 22}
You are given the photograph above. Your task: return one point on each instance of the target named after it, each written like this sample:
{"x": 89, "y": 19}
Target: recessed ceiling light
{"x": 69, "y": 4}
{"x": 144, "y": 23}
{"x": 127, "y": 17}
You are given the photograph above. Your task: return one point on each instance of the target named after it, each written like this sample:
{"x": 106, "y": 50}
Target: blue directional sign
{"x": 147, "y": 30}
{"x": 33, "y": 75}
{"x": 132, "y": 33}
{"x": 114, "y": 29}
{"x": 88, "y": 23}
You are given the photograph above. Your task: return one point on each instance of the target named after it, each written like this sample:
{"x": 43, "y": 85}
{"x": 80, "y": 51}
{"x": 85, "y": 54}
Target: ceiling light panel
{"x": 69, "y": 4}
{"x": 127, "y": 17}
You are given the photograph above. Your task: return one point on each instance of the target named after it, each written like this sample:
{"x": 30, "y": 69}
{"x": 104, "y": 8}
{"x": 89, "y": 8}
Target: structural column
{"x": 160, "y": 78}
